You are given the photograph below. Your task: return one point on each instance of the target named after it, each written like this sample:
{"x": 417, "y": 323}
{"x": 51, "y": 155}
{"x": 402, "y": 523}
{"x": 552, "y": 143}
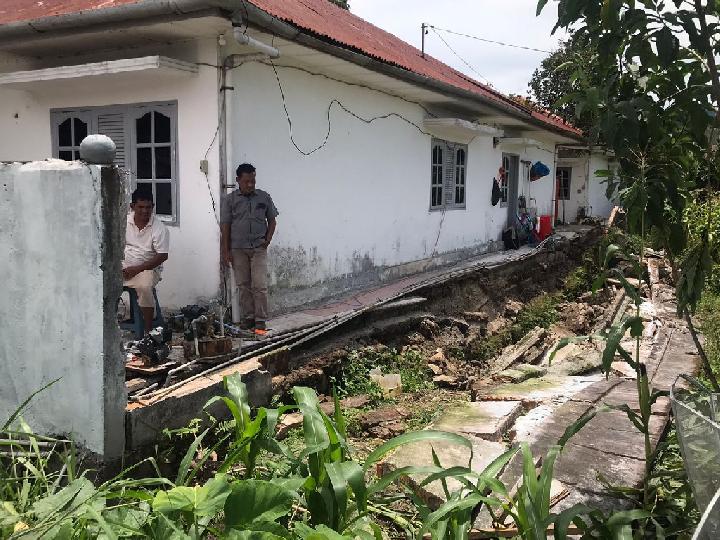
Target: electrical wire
{"x": 487, "y": 81}
{"x": 333, "y": 102}
{"x": 485, "y": 40}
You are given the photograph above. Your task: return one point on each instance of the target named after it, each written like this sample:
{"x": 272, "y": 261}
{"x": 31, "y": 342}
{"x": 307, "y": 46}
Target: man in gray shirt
{"x": 247, "y": 225}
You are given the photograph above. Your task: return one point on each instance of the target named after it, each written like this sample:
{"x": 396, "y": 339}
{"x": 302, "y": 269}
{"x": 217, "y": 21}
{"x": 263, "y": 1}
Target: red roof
{"x": 325, "y": 20}
{"x": 27, "y": 10}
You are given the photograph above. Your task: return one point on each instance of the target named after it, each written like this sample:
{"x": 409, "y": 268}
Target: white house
{"x": 379, "y": 159}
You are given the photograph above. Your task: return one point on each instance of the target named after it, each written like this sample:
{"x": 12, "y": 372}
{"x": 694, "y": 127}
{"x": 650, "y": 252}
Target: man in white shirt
{"x": 147, "y": 244}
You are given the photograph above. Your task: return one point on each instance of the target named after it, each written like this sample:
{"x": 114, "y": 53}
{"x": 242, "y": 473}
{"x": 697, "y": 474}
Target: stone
{"x": 460, "y": 324}
{"x": 391, "y": 384}
{"x": 98, "y": 150}
{"x": 513, "y": 354}
{"x": 623, "y": 369}
{"x": 446, "y": 381}
{"x": 437, "y": 370}
{"x": 449, "y": 454}
{"x": 287, "y": 423}
{"x": 383, "y": 416}
{"x": 429, "y": 328}
{"x": 438, "y": 358}
{"x": 476, "y": 316}
{"x": 497, "y": 324}
{"x": 520, "y": 373}
{"x": 488, "y": 420}
{"x": 512, "y": 308}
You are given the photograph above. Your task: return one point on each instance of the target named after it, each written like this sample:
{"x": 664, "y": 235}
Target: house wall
{"x": 601, "y": 206}
{"x": 60, "y": 235}
{"x": 360, "y": 203}
{"x": 191, "y": 274}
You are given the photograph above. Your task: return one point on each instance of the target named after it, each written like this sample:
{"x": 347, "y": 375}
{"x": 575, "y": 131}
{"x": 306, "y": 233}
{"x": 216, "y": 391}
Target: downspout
{"x": 233, "y": 61}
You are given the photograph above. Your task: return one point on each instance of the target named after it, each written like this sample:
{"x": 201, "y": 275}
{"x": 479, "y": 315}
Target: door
{"x": 511, "y": 164}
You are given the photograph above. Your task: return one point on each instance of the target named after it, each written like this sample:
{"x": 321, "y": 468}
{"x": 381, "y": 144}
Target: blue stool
{"x": 137, "y": 323}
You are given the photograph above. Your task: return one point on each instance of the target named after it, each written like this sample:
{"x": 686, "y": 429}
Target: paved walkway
{"x": 608, "y": 450}
{"x": 368, "y": 297}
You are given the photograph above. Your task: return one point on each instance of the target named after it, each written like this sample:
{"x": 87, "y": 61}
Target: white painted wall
{"x": 191, "y": 274}
{"x": 52, "y": 298}
{"x": 363, "y": 199}
{"x": 359, "y": 203}
{"x": 597, "y": 198}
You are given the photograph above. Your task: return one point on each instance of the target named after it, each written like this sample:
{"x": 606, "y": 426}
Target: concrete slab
{"x": 488, "y": 420}
{"x": 543, "y": 389}
{"x": 450, "y": 455}
{"x": 145, "y": 420}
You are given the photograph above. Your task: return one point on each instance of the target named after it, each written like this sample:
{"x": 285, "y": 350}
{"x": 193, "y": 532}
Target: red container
{"x": 545, "y": 227}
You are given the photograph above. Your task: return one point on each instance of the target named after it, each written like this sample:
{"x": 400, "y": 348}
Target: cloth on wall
{"x": 496, "y": 193}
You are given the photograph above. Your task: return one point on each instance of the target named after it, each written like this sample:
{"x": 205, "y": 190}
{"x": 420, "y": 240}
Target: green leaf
{"x": 667, "y": 45}
{"x": 256, "y": 500}
{"x": 205, "y": 501}
{"x": 418, "y": 436}
{"x": 540, "y": 6}
{"x": 576, "y": 426}
{"x": 184, "y": 468}
{"x": 163, "y": 528}
{"x": 563, "y": 520}
{"x": 251, "y": 535}
{"x": 349, "y": 473}
{"x": 70, "y": 500}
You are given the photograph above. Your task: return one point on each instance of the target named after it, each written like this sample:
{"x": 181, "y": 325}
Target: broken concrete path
{"x": 487, "y": 420}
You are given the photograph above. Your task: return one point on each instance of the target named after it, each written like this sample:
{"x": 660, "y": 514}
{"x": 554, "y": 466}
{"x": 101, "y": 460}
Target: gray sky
{"x": 509, "y": 21}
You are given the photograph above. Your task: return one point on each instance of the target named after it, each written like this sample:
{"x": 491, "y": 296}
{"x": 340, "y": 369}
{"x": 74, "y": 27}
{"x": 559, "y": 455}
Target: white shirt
{"x": 141, "y": 245}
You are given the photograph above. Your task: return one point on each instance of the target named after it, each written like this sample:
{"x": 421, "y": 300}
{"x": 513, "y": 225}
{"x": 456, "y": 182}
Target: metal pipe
{"x": 243, "y": 39}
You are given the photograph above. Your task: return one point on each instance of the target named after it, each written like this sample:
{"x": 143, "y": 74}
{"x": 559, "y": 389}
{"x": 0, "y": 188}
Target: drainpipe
{"x": 233, "y": 61}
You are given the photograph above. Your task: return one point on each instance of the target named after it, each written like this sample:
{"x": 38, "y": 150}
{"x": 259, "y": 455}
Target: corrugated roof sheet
{"x": 27, "y": 10}
{"x": 323, "y": 19}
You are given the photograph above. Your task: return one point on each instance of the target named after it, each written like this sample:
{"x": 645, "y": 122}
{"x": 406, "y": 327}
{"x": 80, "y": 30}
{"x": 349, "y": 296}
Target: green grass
{"x": 355, "y": 373}
{"x": 709, "y": 314}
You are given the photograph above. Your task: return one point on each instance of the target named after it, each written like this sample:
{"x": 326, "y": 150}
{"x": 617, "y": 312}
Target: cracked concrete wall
{"x": 61, "y": 226}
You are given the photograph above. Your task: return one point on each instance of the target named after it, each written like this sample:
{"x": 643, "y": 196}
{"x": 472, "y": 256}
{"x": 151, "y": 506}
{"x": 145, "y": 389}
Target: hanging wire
{"x": 485, "y": 40}
{"x": 487, "y": 81}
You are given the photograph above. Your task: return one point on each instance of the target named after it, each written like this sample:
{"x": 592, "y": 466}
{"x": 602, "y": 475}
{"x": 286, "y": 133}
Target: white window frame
{"x": 448, "y": 178}
{"x": 130, "y": 112}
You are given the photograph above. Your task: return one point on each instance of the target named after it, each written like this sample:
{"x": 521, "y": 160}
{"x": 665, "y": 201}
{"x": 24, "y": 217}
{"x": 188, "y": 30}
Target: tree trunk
{"x": 703, "y": 357}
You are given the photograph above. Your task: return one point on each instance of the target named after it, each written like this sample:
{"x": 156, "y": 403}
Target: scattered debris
{"x": 391, "y": 384}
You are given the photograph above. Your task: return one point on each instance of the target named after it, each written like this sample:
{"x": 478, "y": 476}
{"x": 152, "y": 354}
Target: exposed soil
{"x": 458, "y": 333}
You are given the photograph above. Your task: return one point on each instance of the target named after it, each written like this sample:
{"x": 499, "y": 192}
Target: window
{"x": 448, "y": 175}
{"x": 146, "y": 139}
{"x": 563, "y": 176}
{"x": 504, "y": 179}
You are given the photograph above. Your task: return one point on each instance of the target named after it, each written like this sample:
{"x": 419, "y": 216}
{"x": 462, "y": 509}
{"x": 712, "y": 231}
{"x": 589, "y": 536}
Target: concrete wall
{"x": 361, "y": 202}
{"x": 60, "y": 229}
{"x": 191, "y": 274}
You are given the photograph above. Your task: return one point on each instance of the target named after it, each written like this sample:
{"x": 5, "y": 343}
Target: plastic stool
{"x": 136, "y": 322}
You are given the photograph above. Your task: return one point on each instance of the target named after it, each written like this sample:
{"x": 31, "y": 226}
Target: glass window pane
{"x": 65, "y": 133}
{"x": 163, "y": 168}
{"x": 143, "y": 128}
{"x": 81, "y": 131}
{"x": 144, "y": 163}
{"x": 163, "y": 199}
{"x": 67, "y": 155}
{"x": 162, "y": 128}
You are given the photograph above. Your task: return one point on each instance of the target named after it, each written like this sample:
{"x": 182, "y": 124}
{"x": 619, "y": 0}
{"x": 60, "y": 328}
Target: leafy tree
{"x": 654, "y": 102}
{"x": 558, "y": 77}
{"x": 345, "y": 4}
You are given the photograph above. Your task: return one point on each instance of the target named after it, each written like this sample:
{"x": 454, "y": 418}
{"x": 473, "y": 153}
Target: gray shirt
{"x": 248, "y": 217}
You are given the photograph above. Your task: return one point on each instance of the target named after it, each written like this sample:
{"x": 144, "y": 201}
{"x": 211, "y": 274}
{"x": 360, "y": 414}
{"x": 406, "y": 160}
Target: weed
{"x": 540, "y": 311}
{"x": 355, "y": 376}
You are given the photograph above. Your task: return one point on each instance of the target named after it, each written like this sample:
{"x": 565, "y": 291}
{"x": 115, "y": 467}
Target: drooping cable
{"x": 494, "y": 42}
{"x": 469, "y": 66}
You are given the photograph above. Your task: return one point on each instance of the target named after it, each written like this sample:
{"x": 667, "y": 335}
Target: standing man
{"x": 147, "y": 245}
{"x": 247, "y": 225}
